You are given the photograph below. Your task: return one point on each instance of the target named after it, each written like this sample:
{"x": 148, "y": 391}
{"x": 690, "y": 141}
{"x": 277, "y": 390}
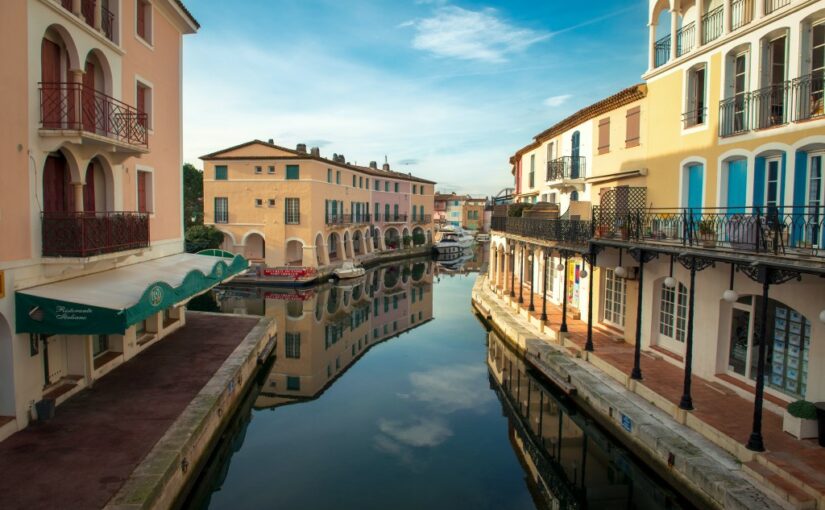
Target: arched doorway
{"x": 96, "y": 189}
{"x": 319, "y": 249}
{"x": 295, "y": 253}
{"x": 57, "y": 187}
{"x": 392, "y": 239}
{"x": 332, "y": 246}
{"x": 356, "y": 243}
{"x": 418, "y": 237}
{"x": 255, "y": 247}
{"x": 94, "y": 101}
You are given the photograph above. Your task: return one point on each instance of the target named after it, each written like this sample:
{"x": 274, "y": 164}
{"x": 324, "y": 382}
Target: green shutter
{"x": 293, "y": 172}
{"x": 221, "y": 173}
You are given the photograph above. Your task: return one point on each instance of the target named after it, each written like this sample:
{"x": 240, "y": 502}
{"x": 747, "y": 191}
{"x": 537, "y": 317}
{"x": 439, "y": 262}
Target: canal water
{"x": 390, "y": 393}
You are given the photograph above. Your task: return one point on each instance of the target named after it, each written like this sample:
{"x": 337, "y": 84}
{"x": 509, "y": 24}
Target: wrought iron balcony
{"x": 347, "y": 219}
{"x": 389, "y": 218}
{"x": 85, "y": 234}
{"x": 567, "y": 167}
{"x": 809, "y": 96}
{"x": 662, "y": 51}
{"x": 791, "y": 230}
{"x": 423, "y": 220}
{"x": 71, "y": 106}
{"x": 565, "y": 231}
{"x": 87, "y": 12}
{"x": 741, "y": 13}
{"x": 695, "y": 117}
{"x": 712, "y": 25}
{"x": 685, "y": 39}
{"x": 773, "y": 5}
{"x": 761, "y": 109}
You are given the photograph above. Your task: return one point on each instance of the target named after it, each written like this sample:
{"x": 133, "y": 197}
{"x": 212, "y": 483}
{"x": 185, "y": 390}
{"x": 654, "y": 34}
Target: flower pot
{"x": 45, "y": 409}
{"x": 708, "y": 240}
{"x": 799, "y": 428}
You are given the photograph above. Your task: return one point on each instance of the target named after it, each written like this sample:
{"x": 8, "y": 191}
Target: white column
{"x": 759, "y": 9}
{"x": 700, "y": 22}
{"x": 78, "y": 196}
{"x": 726, "y": 14}
{"x": 98, "y": 18}
{"x": 674, "y": 27}
{"x": 651, "y": 57}
{"x": 77, "y": 8}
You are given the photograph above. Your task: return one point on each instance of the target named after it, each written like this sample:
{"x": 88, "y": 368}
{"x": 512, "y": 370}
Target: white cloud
{"x": 419, "y": 433}
{"x": 454, "y": 32}
{"x": 452, "y": 388}
{"x": 556, "y": 101}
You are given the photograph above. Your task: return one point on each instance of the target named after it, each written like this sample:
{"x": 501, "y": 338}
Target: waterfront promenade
{"x": 82, "y": 457}
{"x": 792, "y": 470}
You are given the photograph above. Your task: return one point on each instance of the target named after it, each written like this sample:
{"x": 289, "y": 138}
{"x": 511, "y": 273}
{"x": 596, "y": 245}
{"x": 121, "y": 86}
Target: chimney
{"x": 271, "y": 141}
{"x": 342, "y": 159}
{"x": 386, "y": 167}
{"x": 373, "y": 165}
{"x": 302, "y": 147}
{"x": 315, "y": 151}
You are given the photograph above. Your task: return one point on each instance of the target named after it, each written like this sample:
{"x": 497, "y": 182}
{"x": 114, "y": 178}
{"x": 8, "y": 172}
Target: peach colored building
{"x": 91, "y": 267}
{"x": 284, "y": 207}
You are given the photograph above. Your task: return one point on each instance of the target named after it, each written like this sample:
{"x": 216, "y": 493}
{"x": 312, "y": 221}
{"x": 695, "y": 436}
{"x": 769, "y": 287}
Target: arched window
{"x": 672, "y": 316}
{"x": 789, "y": 337}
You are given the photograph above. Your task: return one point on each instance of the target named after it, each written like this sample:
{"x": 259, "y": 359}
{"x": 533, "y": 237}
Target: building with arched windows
{"x": 91, "y": 265}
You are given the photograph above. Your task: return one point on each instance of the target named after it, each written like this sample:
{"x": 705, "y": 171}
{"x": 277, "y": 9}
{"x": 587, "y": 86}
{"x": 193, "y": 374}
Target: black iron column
{"x": 544, "y": 288}
{"x": 530, "y": 257}
{"x": 512, "y": 270}
{"x": 642, "y": 256}
{"x": 521, "y": 276}
{"x": 563, "y": 328}
{"x": 591, "y": 259}
{"x": 767, "y": 276}
{"x": 755, "y": 442}
{"x": 694, "y": 264}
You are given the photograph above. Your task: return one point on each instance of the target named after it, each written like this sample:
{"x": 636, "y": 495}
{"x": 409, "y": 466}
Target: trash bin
{"x": 45, "y": 409}
{"x": 820, "y": 418}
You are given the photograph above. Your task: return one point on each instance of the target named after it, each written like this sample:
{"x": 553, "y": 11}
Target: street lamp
{"x": 731, "y": 296}
{"x": 620, "y": 271}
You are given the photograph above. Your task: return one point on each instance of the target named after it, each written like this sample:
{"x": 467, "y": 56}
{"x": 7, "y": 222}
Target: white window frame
{"x": 768, "y": 161}
{"x": 150, "y": 106}
{"x": 288, "y": 210}
{"x": 150, "y": 20}
{"x": 215, "y": 210}
{"x": 614, "y": 287}
{"x": 675, "y": 341}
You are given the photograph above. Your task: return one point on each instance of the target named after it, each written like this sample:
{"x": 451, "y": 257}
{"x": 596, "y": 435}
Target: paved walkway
{"x": 96, "y": 439}
{"x": 714, "y": 404}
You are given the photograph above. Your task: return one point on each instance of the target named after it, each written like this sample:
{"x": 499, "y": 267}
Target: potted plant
{"x": 800, "y": 420}
{"x": 707, "y": 233}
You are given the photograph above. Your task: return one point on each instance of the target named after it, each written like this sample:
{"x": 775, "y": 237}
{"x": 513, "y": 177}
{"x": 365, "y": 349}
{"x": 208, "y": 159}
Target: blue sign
{"x": 627, "y": 423}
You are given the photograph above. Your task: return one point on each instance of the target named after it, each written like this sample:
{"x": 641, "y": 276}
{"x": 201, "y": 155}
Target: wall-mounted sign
{"x": 627, "y": 423}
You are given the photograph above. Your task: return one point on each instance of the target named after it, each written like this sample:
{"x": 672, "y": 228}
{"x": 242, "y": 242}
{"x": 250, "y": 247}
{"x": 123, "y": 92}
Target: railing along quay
{"x": 775, "y": 230}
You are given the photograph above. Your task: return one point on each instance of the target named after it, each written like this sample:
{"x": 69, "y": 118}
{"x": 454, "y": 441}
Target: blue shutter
{"x": 800, "y": 185}
{"x": 784, "y": 163}
{"x": 759, "y": 183}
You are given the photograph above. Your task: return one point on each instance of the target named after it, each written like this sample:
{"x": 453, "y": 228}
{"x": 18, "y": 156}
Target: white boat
{"x": 454, "y": 240}
{"x": 349, "y": 270}
{"x": 482, "y": 238}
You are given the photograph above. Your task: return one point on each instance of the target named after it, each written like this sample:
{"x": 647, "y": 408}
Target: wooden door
{"x": 89, "y": 190}
{"x": 50, "y": 77}
{"x": 89, "y": 114}
{"x": 57, "y": 194}
{"x": 142, "y": 192}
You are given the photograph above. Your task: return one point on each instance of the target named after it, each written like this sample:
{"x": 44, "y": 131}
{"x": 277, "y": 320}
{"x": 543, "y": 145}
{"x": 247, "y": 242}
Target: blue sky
{"x": 447, "y": 90}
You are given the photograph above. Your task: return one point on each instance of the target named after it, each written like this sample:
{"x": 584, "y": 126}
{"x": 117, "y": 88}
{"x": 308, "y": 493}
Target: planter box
{"x": 799, "y": 428}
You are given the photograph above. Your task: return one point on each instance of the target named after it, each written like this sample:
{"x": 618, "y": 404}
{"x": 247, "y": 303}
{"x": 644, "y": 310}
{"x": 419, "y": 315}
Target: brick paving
{"x": 80, "y": 458}
{"x": 713, "y": 403}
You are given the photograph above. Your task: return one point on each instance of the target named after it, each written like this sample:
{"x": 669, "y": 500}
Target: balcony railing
{"x": 771, "y": 105}
{"x": 775, "y": 230}
{"x": 72, "y": 106}
{"x": 390, "y": 218}
{"x": 685, "y": 39}
{"x": 741, "y": 13}
{"x": 85, "y": 234}
{"x": 695, "y": 117}
{"x": 347, "y": 219}
{"x": 713, "y": 25}
{"x": 423, "y": 220}
{"x": 765, "y": 108}
{"x": 566, "y": 231}
{"x": 87, "y": 10}
{"x": 107, "y": 23}
{"x": 567, "y": 167}
{"x": 662, "y": 51}
{"x": 772, "y": 5}
{"x": 808, "y": 96}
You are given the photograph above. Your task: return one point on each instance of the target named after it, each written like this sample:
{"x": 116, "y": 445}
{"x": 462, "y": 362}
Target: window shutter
{"x": 141, "y": 19}
{"x": 142, "y": 192}
{"x": 633, "y": 120}
{"x": 604, "y": 136}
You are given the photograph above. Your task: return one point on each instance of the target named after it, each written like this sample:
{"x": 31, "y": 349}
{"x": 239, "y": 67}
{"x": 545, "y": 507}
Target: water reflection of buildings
{"x": 568, "y": 460}
{"x": 325, "y": 329}
{"x": 473, "y": 260}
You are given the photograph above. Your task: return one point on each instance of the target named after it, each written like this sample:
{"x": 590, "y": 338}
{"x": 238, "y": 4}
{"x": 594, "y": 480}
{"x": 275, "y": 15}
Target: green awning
{"x": 110, "y": 301}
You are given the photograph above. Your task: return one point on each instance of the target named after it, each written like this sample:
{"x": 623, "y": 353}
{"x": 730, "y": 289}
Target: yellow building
{"x": 284, "y": 207}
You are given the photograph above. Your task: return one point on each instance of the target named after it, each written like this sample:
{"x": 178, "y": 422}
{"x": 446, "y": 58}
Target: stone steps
{"x": 789, "y": 491}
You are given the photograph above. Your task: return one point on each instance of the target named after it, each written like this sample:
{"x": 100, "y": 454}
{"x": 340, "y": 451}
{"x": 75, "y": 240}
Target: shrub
{"x": 802, "y": 409}
{"x": 202, "y": 237}
{"x": 517, "y": 210}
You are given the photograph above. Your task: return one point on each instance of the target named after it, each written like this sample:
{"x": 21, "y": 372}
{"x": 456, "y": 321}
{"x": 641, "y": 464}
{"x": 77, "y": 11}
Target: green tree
{"x": 202, "y": 237}
{"x": 192, "y": 196}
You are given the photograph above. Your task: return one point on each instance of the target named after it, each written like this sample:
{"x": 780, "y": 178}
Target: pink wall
{"x": 14, "y": 175}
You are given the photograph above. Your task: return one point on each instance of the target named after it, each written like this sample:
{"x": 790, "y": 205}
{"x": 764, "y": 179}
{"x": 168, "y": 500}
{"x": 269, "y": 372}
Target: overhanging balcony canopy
{"x": 110, "y": 301}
